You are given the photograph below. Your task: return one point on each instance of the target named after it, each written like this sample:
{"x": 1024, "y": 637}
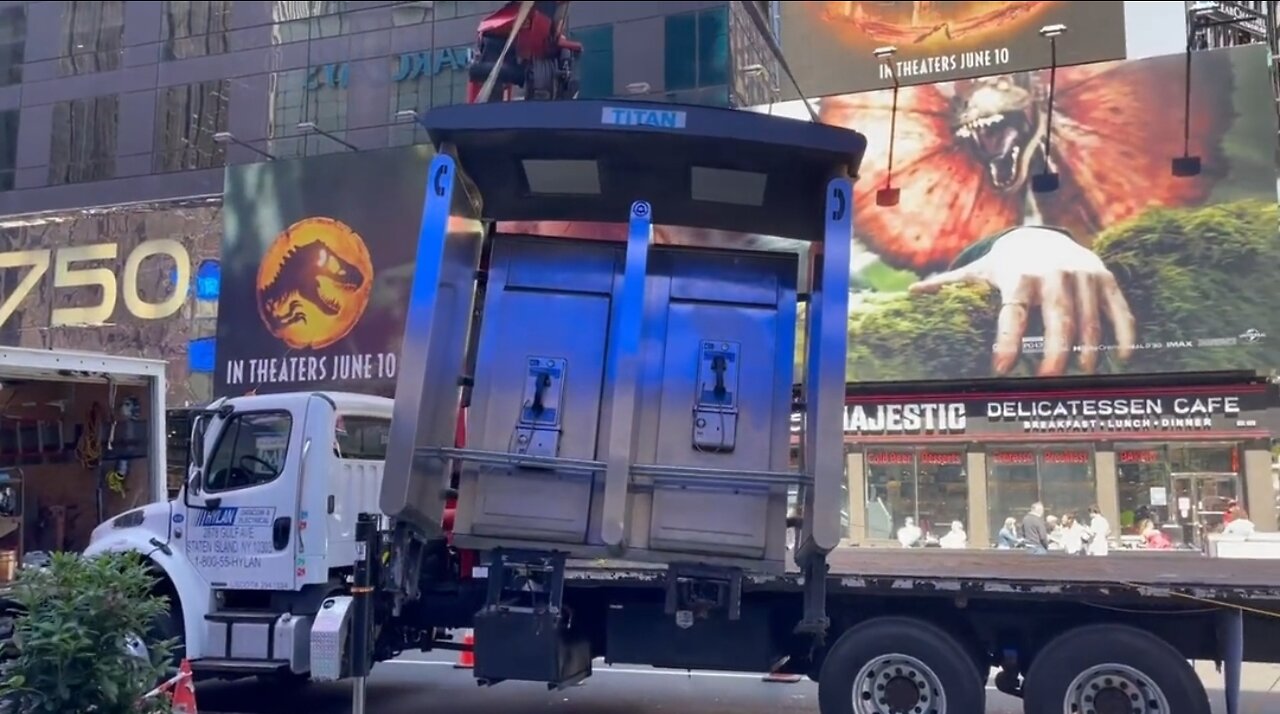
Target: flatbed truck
{"x": 621, "y": 487}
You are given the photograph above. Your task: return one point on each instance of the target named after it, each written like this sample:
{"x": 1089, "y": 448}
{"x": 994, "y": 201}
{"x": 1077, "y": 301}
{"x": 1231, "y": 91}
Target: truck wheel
{"x": 894, "y": 665}
{"x": 169, "y": 626}
{"x": 1112, "y": 669}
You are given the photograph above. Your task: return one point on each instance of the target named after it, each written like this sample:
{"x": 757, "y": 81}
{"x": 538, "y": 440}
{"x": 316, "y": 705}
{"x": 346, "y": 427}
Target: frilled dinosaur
{"x": 299, "y": 279}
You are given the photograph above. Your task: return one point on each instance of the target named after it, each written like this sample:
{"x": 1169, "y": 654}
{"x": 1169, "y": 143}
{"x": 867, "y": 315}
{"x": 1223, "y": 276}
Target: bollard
{"x": 367, "y": 553}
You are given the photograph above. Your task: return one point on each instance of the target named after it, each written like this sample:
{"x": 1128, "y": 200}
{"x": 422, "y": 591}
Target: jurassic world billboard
{"x": 839, "y": 47}
{"x": 317, "y": 257}
{"x": 1127, "y": 267}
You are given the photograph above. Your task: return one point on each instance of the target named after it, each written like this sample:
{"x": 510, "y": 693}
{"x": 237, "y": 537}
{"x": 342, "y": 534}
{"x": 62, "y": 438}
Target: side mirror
{"x": 196, "y": 447}
{"x": 192, "y": 489}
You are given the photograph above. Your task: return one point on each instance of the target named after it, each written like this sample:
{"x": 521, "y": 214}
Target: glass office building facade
{"x": 111, "y": 114}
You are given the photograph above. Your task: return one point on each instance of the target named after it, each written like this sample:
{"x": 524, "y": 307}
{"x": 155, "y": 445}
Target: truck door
{"x": 242, "y": 520}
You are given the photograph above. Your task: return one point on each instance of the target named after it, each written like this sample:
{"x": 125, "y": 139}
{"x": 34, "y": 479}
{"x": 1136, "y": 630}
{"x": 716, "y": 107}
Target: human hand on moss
{"x": 1033, "y": 266}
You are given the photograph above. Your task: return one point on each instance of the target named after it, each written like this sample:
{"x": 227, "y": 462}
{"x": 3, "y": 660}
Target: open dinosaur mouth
{"x": 344, "y": 283}
{"x": 999, "y": 140}
{"x": 327, "y": 306}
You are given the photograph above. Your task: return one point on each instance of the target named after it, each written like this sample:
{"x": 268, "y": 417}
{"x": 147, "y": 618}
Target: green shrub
{"x": 70, "y": 640}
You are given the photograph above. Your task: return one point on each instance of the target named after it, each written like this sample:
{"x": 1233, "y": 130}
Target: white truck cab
{"x": 263, "y": 532}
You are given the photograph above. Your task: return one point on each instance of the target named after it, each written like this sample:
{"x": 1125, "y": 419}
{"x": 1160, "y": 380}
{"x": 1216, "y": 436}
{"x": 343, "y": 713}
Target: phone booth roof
{"x": 703, "y": 167}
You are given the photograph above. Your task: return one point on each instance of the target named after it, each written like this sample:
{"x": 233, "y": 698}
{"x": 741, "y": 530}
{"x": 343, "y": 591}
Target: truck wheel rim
{"x": 1114, "y": 689}
{"x": 898, "y": 684}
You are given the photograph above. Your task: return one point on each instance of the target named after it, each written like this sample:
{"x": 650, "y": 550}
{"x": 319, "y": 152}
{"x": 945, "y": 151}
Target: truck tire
{"x": 898, "y": 664}
{"x": 1109, "y": 668}
{"x": 169, "y": 626}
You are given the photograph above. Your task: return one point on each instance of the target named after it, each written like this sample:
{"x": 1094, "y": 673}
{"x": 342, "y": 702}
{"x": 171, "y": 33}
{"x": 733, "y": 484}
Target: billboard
{"x": 317, "y": 266}
{"x": 120, "y": 280}
{"x": 831, "y": 45}
{"x": 1125, "y": 268}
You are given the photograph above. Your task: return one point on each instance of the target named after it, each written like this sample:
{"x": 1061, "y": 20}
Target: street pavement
{"x": 425, "y": 682}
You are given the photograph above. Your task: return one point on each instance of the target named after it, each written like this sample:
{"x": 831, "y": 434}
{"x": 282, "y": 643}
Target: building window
{"x": 301, "y": 20}
{"x": 195, "y": 29}
{"x": 1060, "y": 477}
{"x": 415, "y": 12}
{"x": 13, "y": 40}
{"x": 449, "y": 10}
{"x": 1143, "y": 484}
{"x": 8, "y": 148}
{"x": 421, "y": 80}
{"x": 318, "y": 95}
{"x": 929, "y": 486}
{"x": 83, "y": 142}
{"x": 92, "y": 36}
{"x": 595, "y": 74}
{"x": 697, "y": 49}
{"x": 187, "y": 117}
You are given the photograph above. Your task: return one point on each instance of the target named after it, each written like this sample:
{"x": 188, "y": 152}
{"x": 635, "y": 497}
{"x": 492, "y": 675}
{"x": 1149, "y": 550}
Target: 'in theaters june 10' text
{"x": 969, "y": 60}
{"x": 311, "y": 368}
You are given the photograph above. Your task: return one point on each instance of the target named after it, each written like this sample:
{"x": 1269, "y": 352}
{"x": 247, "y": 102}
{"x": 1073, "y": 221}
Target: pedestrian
{"x": 1008, "y": 537}
{"x": 1055, "y": 532}
{"x": 909, "y": 534}
{"x": 1153, "y": 537}
{"x": 955, "y": 538}
{"x": 1239, "y": 524}
{"x": 1033, "y": 529}
{"x": 1099, "y": 532}
{"x": 1074, "y": 535}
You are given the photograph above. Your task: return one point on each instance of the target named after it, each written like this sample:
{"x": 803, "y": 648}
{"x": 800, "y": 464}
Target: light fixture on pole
{"x": 889, "y": 195}
{"x": 1047, "y": 180}
{"x": 226, "y": 137}
{"x": 1200, "y": 18}
{"x": 310, "y": 126}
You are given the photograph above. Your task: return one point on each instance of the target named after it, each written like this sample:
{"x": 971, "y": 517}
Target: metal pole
{"x": 362, "y": 607}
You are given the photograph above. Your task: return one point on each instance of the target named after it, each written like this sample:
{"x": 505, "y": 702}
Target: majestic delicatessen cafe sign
{"x": 1105, "y": 414}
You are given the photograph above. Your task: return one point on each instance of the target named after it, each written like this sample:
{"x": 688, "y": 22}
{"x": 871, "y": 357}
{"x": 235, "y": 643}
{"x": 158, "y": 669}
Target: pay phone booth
{"x": 627, "y": 400}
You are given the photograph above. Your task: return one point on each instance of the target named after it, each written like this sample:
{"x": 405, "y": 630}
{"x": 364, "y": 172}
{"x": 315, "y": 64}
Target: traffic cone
{"x": 184, "y": 691}
{"x": 467, "y": 657}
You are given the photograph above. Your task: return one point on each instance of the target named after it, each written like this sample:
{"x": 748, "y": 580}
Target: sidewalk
{"x": 1256, "y": 678}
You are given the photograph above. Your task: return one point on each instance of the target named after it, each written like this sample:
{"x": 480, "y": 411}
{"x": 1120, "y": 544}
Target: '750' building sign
{"x": 100, "y": 289}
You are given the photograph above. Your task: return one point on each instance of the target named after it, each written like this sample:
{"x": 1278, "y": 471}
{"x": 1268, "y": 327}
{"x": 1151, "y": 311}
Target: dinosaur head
{"x": 333, "y": 273}
{"x": 1000, "y": 122}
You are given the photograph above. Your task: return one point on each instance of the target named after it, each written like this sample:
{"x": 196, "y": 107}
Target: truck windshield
{"x": 362, "y": 437}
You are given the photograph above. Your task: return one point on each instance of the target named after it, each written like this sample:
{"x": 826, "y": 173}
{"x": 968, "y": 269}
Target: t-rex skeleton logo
{"x": 314, "y": 283}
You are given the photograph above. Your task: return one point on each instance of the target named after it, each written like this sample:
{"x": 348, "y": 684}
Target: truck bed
{"x": 1185, "y": 576}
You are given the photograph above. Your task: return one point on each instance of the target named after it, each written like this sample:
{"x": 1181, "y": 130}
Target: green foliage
{"x": 923, "y": 337}
{"x": 70, "y": 640}
{"x": 1194, "y": 274}
{"x": 1188, "y": 274}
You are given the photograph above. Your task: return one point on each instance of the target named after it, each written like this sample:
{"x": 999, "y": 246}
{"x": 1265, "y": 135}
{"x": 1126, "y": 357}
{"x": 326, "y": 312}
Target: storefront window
{"x": 1143, "y": 485}
{"x": 929, "y": 486}
{"x": 793, "y": 495}
{"x": 1062, "y": 478}
{"x": 1183, "y": 489}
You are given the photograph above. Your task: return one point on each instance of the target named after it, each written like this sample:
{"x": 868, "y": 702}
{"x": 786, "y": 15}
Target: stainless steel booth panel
{"x": 539, "y": 379}
{"x": 708, "y": 312}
